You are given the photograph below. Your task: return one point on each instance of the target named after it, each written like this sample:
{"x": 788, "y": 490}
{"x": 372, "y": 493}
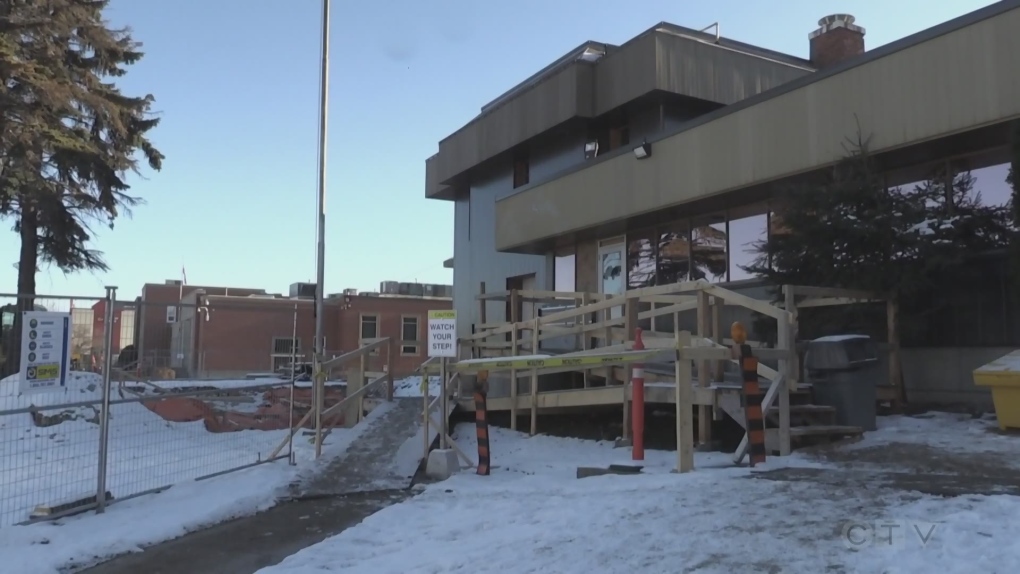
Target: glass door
{"x": 612, "y": 277}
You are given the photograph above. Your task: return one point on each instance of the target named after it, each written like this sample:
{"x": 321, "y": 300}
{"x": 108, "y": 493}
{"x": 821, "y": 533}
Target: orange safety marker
{"x": 482, "y": 422}
{"x": 637, "y": 403}
{"x": 751, "y": 396}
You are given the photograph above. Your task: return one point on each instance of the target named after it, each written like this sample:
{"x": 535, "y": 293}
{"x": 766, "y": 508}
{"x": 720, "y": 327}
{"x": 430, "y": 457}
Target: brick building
{"x": 220, "y": 333}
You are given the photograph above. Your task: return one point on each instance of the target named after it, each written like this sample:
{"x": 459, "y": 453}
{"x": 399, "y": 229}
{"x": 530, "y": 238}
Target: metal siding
{"x": 714, "y": 73}
{"x": 433, "y": 189}
{"x": 562, "y": 96}
{"x": 955, "y": 82}
{"x": 475, "y": 258}
{"x": 626, "y": 74}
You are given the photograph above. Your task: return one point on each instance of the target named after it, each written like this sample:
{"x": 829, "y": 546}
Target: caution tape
{"x": 548, "y": 362}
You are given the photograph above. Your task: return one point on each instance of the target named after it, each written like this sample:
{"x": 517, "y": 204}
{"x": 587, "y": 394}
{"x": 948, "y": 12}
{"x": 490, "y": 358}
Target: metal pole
{"x": 445, "y": 419}
{"x": 104, "y": 415}
{"x": 293, "y": 381}
{"x": 321, "y": 225}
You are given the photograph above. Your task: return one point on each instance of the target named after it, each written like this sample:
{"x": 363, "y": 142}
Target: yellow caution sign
{"x": 548, "y": 362}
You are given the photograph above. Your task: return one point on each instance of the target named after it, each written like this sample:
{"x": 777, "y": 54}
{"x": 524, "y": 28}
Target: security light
{"x": 643, "y": 151}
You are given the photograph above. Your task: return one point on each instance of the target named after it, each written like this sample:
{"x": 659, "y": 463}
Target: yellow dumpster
{"x": 1002, "y": 376}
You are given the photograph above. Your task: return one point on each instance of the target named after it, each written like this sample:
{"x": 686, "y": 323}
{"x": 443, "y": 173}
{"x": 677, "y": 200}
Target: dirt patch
{"x": 272, "y": 414}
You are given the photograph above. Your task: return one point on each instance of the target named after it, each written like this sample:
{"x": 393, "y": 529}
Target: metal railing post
{"x": 104, "y": 415}
{"x": 293, "y": 382}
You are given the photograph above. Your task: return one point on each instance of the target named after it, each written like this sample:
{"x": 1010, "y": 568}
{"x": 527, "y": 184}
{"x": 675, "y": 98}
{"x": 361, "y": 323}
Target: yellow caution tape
{"x": 548, "y": 363}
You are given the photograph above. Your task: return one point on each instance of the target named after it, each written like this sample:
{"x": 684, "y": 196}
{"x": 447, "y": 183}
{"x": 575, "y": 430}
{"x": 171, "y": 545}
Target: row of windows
{"x": 409, "y": 325}
{"x": 369, "y": 329}
{"x": 715, "y": 248}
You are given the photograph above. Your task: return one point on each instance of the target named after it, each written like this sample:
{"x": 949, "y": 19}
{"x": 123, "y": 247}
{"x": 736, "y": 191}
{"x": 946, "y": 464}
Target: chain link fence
{"x": 157, "y": 394}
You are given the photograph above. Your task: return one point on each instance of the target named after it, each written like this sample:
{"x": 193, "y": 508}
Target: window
{"x": 369, "y": 330}
{"x": 747, "y": 233}
{"x": 171, "y": 314}
{"x": 409, "y": 333}
{"x": 522, "y": 170}
{"x": 369, "y": 327}
{"x": 708, "y": 250}
{"x": 564, "y": 271}
{"x": 285, "y": 351}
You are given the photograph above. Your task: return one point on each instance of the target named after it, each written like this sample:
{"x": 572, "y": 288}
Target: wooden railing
{"x": 353, "y": 402}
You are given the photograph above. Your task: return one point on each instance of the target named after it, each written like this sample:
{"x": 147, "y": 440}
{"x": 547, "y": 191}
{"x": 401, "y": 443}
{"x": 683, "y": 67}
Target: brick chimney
{"x": 836, "y": 40}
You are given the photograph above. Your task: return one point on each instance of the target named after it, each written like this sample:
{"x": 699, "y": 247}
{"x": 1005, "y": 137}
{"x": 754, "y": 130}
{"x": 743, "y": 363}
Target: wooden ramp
{"x": 384, "y": 456}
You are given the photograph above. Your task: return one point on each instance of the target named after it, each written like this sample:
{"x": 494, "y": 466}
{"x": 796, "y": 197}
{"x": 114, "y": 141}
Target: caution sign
{"x": 443, "y": 334}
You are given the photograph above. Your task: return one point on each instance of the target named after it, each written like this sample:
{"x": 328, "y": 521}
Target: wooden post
{"x": 513, "y": 380}
{"x": 717, "y": 335}
{"x": 607, "y": 314}
{"x": 479, "y": 344}
{"x": 684, "y": 408}
{"x": 361, "y": 380}
{"x": 515, "y": 306}
{"x": 630, "y": 324}
{"x": 791, "y": 306}
{"x": 389, "y": 369}
{"x": 704, "y": 412}
{"x": 352, "y": 411}
{"x": 895, "y": 372}
{"x": 444, "y": 420}
{"x": 534, "y": 379}
{"x": 585, "y": 338}
{"x": 785, "y": 366}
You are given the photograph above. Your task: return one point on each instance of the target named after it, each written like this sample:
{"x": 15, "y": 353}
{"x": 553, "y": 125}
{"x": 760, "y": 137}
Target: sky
{"x": 236, "y": 84}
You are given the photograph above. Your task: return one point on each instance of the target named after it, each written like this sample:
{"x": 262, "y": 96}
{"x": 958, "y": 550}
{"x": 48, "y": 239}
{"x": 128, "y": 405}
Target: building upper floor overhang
{"x": 949, "y": 91}
{"x": 597, "y": 78}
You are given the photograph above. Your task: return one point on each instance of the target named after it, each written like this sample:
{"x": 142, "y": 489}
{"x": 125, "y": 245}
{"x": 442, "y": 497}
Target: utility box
{"x": 843, "y": 371}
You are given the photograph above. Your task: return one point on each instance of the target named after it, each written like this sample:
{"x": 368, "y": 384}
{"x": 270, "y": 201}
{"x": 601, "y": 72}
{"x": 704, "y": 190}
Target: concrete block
{"x": 623, "y": 443}
{"x": 442, "y": 464}
{"x": 588, "y": 471}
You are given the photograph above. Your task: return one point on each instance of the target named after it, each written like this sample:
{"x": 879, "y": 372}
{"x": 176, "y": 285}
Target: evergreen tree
{"x": 68, "y": 136}
{"x": 851, "y": 231}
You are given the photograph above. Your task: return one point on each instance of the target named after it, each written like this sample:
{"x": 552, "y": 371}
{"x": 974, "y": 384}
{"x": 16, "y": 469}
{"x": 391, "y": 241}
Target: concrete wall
{"x": 944, "y": 375}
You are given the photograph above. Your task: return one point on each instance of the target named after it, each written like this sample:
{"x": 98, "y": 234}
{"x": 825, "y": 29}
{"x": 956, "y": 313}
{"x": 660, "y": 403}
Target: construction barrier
{"x": 482, "y": 424}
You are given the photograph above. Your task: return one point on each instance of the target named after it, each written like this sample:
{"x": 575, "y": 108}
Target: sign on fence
{"x": 443, "y": 334}
{"x": 45, "y": 351}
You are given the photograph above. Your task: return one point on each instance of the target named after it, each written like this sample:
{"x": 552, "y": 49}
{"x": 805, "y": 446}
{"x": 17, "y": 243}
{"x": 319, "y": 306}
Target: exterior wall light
{"x": 643, "y": 151}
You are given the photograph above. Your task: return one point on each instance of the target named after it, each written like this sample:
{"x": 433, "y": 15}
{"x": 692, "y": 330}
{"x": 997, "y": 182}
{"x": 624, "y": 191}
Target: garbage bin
{"x": 843, "y": 371}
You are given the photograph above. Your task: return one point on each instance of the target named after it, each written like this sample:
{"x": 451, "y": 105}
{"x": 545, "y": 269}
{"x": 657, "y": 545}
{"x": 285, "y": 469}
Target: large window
{"x": 369, "y": 330}
{"x": 565, "y": 271}
{"x": 673, "y": 254}
{"x": 409, "y": 335}
{"x": 746, "y": 235}
{"x": 641, "y": 248}
{"x": 709, "y": 249}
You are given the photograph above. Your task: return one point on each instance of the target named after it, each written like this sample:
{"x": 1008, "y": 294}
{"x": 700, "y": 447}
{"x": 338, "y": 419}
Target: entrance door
{"x": 612, "y": 270}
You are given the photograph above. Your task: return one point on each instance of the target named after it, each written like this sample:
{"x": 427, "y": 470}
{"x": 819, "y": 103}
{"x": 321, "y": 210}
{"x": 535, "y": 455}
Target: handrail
{"x": 363, "y": 350}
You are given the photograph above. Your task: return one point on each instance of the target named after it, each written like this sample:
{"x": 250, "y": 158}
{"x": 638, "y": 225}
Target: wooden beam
{"x": 833, "y": 301}
{"x": 808, "y": 291}
{"x": 684, "y": 407}
{"x": 704, "y": 412}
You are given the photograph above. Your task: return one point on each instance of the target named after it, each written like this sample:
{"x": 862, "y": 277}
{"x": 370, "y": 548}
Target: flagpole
{"x": 320, "y": 262}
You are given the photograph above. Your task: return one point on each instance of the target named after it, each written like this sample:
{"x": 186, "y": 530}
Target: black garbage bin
{"x": 843, "y": 371}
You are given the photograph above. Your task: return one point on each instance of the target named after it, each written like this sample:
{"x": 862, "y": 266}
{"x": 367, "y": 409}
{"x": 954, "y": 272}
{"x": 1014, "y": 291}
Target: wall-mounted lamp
{"x": 643, "y": 151}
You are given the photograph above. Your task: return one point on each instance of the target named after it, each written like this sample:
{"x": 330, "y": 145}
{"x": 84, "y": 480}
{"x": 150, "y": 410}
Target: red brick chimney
{"x": 836, "y": 40}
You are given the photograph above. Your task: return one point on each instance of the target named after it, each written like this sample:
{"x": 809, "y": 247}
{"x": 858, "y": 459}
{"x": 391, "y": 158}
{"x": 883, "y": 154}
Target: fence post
{"x": 293, "y": 383}
{"x": 104, "y": 414}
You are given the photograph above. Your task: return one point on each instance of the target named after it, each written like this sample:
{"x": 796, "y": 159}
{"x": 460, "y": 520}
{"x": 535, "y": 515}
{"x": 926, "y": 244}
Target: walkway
{"x": 376, "y": 471}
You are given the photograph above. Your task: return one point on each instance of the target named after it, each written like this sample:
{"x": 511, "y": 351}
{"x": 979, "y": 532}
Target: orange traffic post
{"x": 482, "y": 422}
{"x": 752, "y": 396}
{"x": 637, "y": 403}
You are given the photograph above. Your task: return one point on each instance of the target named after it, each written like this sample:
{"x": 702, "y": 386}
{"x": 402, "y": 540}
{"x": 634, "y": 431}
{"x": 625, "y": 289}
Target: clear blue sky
{"x": 236, "y": 82}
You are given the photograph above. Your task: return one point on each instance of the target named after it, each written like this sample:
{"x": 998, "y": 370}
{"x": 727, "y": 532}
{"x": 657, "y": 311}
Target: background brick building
{"x": 210, "y": 332}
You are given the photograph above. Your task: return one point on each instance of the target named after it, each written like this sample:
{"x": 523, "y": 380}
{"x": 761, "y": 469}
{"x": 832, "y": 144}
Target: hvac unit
{"x": 389, "y": 287}
{"x": 302, "y": 290}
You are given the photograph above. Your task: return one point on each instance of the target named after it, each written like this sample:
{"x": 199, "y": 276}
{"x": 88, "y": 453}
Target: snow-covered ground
{"x": 533, "y": 516}
{"x": 50, "y": 547}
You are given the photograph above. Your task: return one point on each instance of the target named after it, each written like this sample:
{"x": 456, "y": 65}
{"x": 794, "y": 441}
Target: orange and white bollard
{"x": 637, "y": 403}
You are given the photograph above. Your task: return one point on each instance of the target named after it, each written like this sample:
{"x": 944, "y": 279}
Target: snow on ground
{"x": 59, "y": 462}
{"x": 533, "y": 516}
{"x": 411, "y": 387}
{"x": 954, "y": 432}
